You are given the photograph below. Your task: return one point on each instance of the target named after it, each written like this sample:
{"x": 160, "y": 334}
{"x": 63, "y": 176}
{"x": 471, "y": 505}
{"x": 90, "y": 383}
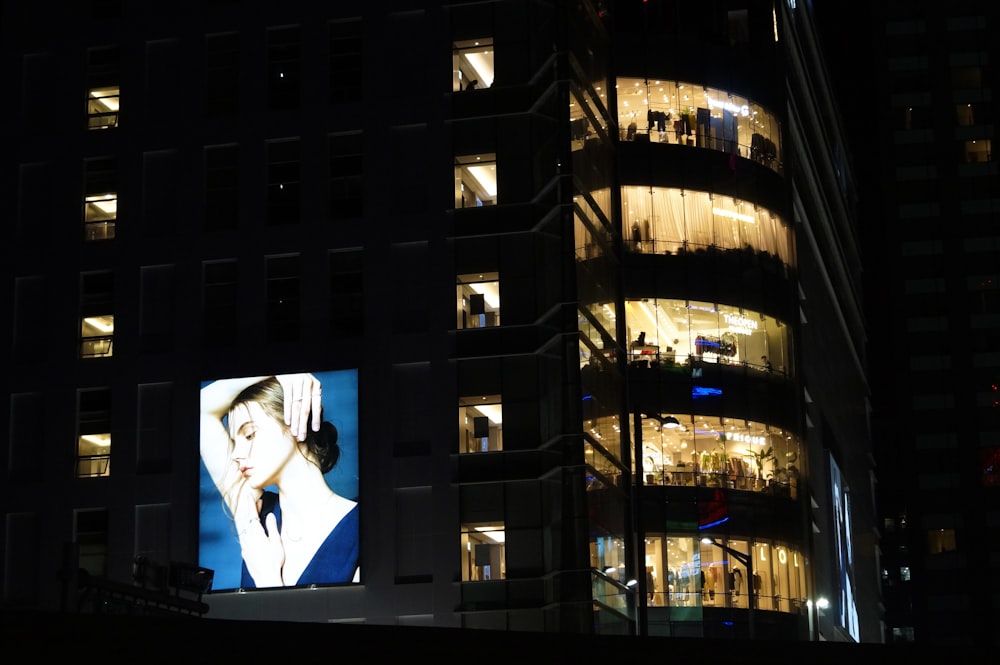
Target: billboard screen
{"x": 279, "y": 480}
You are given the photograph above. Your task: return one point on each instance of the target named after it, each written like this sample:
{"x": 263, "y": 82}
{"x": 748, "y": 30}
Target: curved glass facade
{"x": 668, "y": 332}
{"x": 692, "y": 571}
{"x": 691, "y": 114}
{"x": 668, "y": 220}
{"x": 717, "y": 451}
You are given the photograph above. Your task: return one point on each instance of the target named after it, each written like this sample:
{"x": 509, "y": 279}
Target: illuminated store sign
{"x": 743, "y": 110}
{"x": 732, "y": 214}
{"x": 746, "y": 438}
{"x": 740, "y": 324}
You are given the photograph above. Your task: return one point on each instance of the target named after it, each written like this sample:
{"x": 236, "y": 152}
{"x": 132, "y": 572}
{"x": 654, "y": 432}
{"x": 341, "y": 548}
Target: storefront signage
{"x": 743, "y": 110}
{"x": 740, "y": 324}
{"x": 746, "y": 438}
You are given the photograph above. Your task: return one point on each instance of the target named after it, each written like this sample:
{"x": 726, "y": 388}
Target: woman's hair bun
{"x": 323, "y": 444}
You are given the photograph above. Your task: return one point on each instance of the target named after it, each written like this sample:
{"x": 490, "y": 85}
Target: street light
{"x": 747, "y": 561}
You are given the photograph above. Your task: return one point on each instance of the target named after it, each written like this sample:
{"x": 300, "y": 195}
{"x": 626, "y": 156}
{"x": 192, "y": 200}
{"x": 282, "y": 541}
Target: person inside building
{"x": 263, "y": 434}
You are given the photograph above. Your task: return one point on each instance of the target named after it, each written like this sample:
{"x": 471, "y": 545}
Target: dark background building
{"x": 611, "y": 366}
{"x": 916, "y": 83}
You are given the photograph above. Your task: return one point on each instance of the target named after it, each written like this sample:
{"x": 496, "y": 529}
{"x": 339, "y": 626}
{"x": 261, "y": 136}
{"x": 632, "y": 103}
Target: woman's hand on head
{"x": 303, "y": 398}
{"x": 263, "y": 551}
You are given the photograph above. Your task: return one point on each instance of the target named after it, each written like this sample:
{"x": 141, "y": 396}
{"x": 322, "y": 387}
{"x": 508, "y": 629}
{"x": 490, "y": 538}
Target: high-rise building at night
{"x": 925, "y": 127}
{"x": 517, "y": 315}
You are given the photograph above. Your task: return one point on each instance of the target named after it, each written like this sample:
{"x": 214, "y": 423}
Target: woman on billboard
{"x": 261, "y": 434}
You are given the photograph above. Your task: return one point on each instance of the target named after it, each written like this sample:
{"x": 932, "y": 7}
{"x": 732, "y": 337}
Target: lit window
{"x": 964, "y": 115}
{"x": 475, "y": 180}
{"x": 97, "y": 323}
{"x": 96, "y": 336}
{"x": 472, "y": 65}
{"x": 100, "y": 202}
{"x": 904, "y": 573}
{"x": 979, "y": 150}
{"x": 100, "y": 216}
{"x": 483, "y": 552}
{"x": 478, "y": 300}
{"x": 940, "y": 541}
{"x": 480, "y": 424}
{"x": 93, "y": 451}
{"x": 102, "y": 107}
{"x": 103, "y": 77}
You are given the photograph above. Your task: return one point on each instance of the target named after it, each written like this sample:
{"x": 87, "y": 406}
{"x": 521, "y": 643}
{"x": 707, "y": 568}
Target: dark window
{"x": 219, "y": 302}
{"x": 346, "y": 288}
{"x": 282, "y": 324}
{"x": 283, "y": 182}
{"x": 222, "y": 184}
{"x": 222, "y": 74}
{"x": 91, "y": 535}
{"x": 346, "y": 168}
{"x": 283, "y": 68}
{"x": 346, "y": 81}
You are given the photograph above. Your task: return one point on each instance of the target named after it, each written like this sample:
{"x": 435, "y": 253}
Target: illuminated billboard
{"x": 847, "y": 611}
{"x": 279, "y": 480}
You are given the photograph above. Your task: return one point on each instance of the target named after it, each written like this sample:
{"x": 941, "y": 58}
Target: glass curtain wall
{"x": 690, "y": 114}
{"x": 667, "y": 220}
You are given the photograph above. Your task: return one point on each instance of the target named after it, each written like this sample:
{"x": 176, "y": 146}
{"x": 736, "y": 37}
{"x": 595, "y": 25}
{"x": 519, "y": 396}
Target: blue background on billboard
{"x": 218, "y": 545}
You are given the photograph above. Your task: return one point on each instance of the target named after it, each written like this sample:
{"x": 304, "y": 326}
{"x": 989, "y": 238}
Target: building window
{"x": 222, "y": 187}
{"x": 970, "y": 78}
{"x": 91, "y": 537}
{"x": 472, "y": 64}
{"x": 100, "y": 203}
{"x": 346, "y": 293}
{"x": 739, "y": 28}
{"x": 97, "y": 336}
{"x": 483, "y": 556}
{"x": 346, "y": 80}
{"x": 904, "y": 573}
{"x": 283, "y": 68}
{"x": 222, "y": 80}
{"x": 102, "y": 107}
{"x": 102, "y": 87}
{"x": 694, "y": 114}
{"x": 219, "y": 279}
{"x": 940, "y": 541}
{"x": 478, "y": 300}
{"x": 97, "y": 321}
{"x": 669, "y": 220}
{"x": 990, "y": 457}
{"x": 283, "y": 182}
{"x": 282, "y": 323}
{"x": 93, "y": 452}
{"x": 480, "y": 424}
{"x": 475, "y": 180}
{"x": 977, "y": 150}
{"x": 965, "y": 115}
{"x": 346, "y": 185}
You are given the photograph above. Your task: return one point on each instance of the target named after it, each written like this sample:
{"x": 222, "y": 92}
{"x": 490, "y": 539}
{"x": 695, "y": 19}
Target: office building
{"x": 576, "y": 286}
{"x": 927, "y": 122}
